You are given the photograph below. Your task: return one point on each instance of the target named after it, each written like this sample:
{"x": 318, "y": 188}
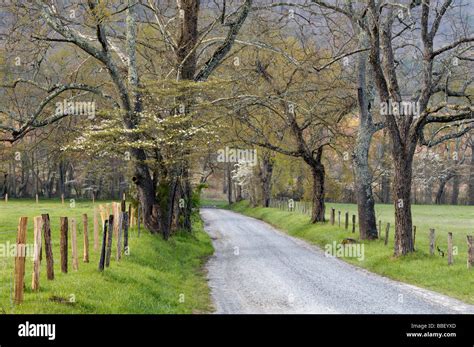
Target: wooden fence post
{"x": 387, "y": 230}
{"x": 103, "y": 215}
{"x": 123, "y": 205}
{"x": 450, "y": 248}
{"x": 102, "y": 249}
{"x": 119, "y": 236}
{"x": 75, "y": 262}
{"x": 333, "y": 215}
{"x": 138, "y": 219}
{"x": 62, "y": 199}
{"x": 109, "y": 241}
{"x": 96, "y": 230}
{"x": 115, "y": 212}
{"x": 346, "y": 224}
{"x": 339, "y": 218}
{"x": 135, "y": 218}
{"x": 470, "y": 251}
{"x": 125, "y": 233}
{"x": 63, "y": 244}
{"x": 353, "y": 223}
{"x": 432, "y": 241}
{"x": 20, "y": 259}
{"x": 85, "y": 223}
{"x": 48, "y": 248}
{"x": 6, "y": 198}
{"x": 117, "y": 215}
{"x": 414, "y": 236}
{"x": 37, "y": 199}
{"x": 37, "y": 226}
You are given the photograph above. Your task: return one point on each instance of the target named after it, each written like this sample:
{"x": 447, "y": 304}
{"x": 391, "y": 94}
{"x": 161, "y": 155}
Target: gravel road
{"x": 258, "y": 269}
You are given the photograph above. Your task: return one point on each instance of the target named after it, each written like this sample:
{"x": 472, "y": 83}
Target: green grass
{"x": 421, "y": 269}
{"x": 212, "y": 202}
{"x": 157, "y": 276}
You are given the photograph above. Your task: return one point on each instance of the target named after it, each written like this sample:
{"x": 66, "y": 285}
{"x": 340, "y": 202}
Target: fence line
{"x": 118, "y": 219}
{"x": 290, "y": 205}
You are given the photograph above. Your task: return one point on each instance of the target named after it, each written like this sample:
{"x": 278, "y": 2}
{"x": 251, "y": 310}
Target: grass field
{"x": 157, "y": 276}
{"x": 214, "y": 203}
{"x": 431, "y": 272}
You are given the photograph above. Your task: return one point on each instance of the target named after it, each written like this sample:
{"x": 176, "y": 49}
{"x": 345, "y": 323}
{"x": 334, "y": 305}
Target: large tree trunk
{"x": 402, "y": 202}
{"x": 363, "y": 186}
{"x": 146, "y": 192}
{"x": 363, "y": 176}
{"x": 266, "y": 178}
{"x": 318, "y": 207}
{"x": 186, "y": 67}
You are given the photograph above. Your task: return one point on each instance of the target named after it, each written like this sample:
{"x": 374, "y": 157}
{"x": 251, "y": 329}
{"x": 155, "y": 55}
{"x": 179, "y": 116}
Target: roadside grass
{"x": 157, "y": 277}
{"x": 214, "y": 203}
{"x": 421, "y": 269}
